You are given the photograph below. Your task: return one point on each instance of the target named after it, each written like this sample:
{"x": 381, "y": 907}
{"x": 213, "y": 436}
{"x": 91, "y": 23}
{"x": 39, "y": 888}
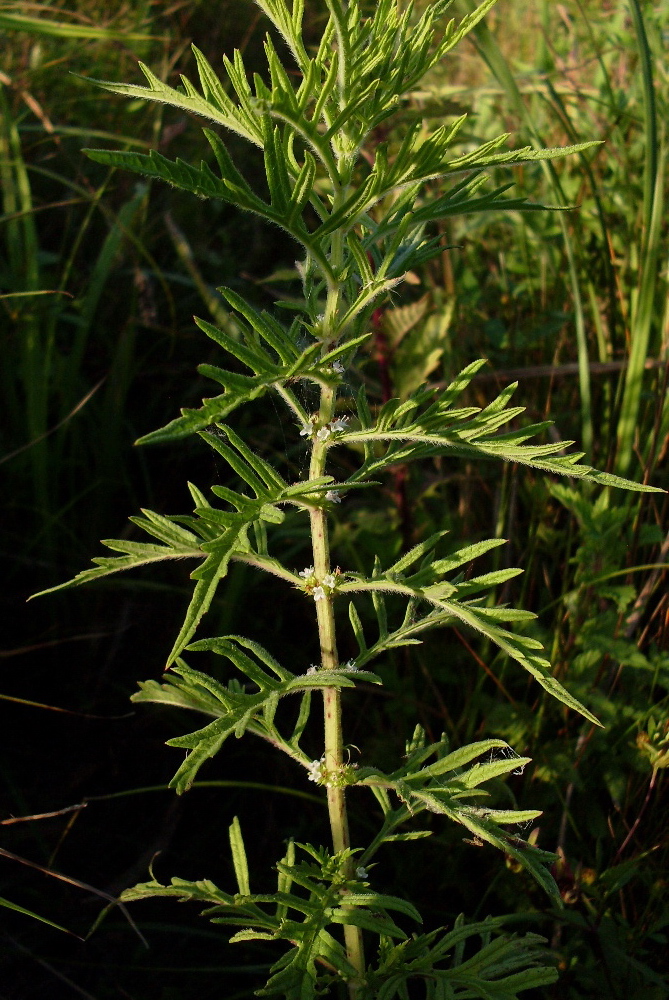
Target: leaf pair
{"x": 237, "y": 710}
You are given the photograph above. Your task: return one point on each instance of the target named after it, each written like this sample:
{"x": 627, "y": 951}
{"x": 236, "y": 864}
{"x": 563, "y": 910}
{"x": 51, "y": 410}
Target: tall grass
{"x": 645, "y": 333}
{"x": 56, "y": 268}
{"x": 597, "y": 71}
{"x": 85, "y": 293}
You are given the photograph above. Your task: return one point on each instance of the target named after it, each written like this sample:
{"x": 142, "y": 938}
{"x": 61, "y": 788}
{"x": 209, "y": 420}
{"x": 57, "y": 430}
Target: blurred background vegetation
{"x": 100, "y": 276}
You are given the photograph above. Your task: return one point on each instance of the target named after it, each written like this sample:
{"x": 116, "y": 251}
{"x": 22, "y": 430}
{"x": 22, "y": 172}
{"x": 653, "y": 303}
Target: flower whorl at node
{"x": 311, "y": 430}
{"x": 319, "y": 589}
{"x": 339, "y": 777}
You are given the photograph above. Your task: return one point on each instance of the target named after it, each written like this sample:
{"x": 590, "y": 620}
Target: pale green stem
{"x": 334, "y": 743}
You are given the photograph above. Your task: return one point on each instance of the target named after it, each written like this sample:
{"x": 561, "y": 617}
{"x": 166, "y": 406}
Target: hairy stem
{"x": 334, "y": 743}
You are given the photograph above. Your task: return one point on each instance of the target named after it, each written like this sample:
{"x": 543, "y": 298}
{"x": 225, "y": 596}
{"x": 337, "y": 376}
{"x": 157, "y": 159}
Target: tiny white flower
{"x": 350, "y": 665}
{"x": 333, "y": 496}
{"x": 307, "y": 572}
{"x": 361, "y": 873}
{"x": 313, "y": 669}
{"x": 338, "y": 425}
{"x": 330, "y": 581}
{"x": 319, "y": 594}
{"x": 323, "y": 433}
{"x": 338, "y": 367}
{"x": 315, "y": 769}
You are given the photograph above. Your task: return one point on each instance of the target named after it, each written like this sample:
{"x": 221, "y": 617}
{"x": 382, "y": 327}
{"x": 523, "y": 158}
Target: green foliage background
{"x": 100, "y": 276}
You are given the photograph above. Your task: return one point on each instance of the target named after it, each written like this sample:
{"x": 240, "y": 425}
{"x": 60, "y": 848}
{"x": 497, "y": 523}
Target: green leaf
{"x": 379, "y": 924}
{"x": 375, "y": 899}
{"x": 223, "y": 112}
{"x": 181, "y": 544}
{"x": 190, "y": 690}
{"x": 239, "y": 857}
{"x": 459, "y": 758}
{"x": 203, "y": 890}
{"x": 7, "y": 903}
{"x": 192, "y": 421}
{"x": 208, "y": 577}
{"x": 303, "y": 188}
{"x": 204, "y": 744}
{"x": 440, "y": 429}
{"x": 234, "y": 707}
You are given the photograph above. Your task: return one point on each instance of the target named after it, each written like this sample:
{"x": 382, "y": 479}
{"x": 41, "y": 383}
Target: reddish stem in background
{"x": 651, "y": 786}
{"x": 383, "y": 355}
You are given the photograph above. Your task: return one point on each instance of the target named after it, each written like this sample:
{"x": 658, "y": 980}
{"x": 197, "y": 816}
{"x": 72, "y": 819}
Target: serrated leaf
{"x": 202, "y": 890}
{"x": 466, "y": 555}
{"x": 459, "y": 758}
{"x": 183, "y": 545}
{"x": 416, "y": 553}
{"x": 438, "y": 430}
{"x": 199, "y": 181}
{"x": 208, "y": 577}
{"x": 192, "y": 421}
{"x": 181, "y": 693}
{"x": 226, "y": 115}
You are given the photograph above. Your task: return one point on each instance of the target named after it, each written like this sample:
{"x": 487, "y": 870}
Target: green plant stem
{"x": 334, "y": 742}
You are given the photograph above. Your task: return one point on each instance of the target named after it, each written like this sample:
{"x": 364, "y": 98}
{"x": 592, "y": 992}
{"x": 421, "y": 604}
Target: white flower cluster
{"x": 323, "y": 433}
{"x": 327, "y": 585}
{"x": 319, "y": 590}
{"x": 316, "y": 769}
{"x": 343, "y": 775}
